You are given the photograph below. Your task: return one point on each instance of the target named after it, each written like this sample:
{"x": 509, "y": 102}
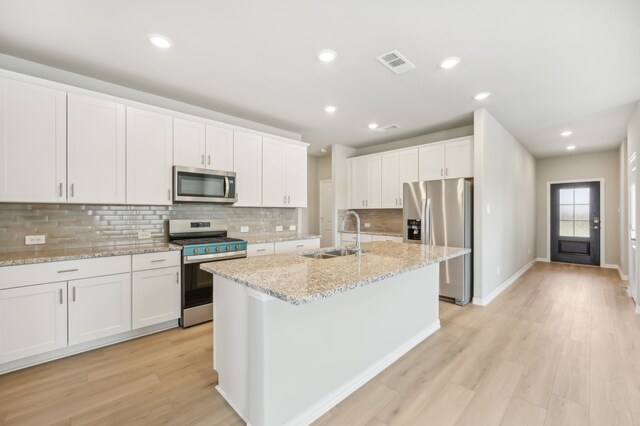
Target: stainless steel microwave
{"x": 203, "y": 185}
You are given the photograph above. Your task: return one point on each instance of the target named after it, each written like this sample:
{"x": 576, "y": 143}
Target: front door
{"x": 575, "y": 223}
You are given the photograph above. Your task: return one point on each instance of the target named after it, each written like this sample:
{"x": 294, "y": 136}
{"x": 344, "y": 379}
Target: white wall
{"x": 457, "y": 132}
{"x": 623, "y": 216}
{"x": 593, "y": 165}
{"x": 504, "y": 181}
{"x": 339, "y": 156}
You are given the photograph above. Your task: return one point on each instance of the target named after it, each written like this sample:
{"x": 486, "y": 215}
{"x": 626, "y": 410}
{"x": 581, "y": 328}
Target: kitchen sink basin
{"x": 319, "y": 256}
{"x": 331, "y": 254}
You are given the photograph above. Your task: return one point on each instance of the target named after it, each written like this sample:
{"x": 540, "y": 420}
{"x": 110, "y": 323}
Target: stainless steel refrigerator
{"x": 441, "y": 213}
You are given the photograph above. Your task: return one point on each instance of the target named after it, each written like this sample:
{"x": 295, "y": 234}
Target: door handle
{"x": 441, "y": 172}
{"x": 67, "y": 270}
{"x": 288, "y": 199}
{"x": 169, "y": 194}
{"x": 74, "y": 294}
{"x": 202, "y": 160}
{"x": 73, "y": 190}
{"x": 177, "y": 277}
{"x": 596, "y": 227}
{"x": 209, "y": 160}
{"x": 61, "y": 301}
{"x": 60, "y": 189}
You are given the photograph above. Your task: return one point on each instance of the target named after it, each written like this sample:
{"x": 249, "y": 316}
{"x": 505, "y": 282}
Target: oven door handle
{"x": 203, "y": 258}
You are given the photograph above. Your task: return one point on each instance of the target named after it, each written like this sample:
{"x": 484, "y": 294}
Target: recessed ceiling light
{"x": 330, "y": 109}
{"x": 449, "y": 62}
{"x": 482, "y": 96}
{"x": 160, "y": 41}
{"x": 373, "y": 126}
{"x": 571, "y": 147}
{"x": 566, "y": 133}
{"x": 323, "y": 149}
{"x": 327, "y": 55}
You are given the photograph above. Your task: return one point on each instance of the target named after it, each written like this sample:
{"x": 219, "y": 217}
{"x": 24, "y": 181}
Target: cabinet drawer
{"x": 351, "y": 238}
{"x": 296, "y": 245}
{"x": 387, "y": 238}
{"x": 39, "y": 273}
{"x": 262, "y": 249}
{"x": 164, "y": 259}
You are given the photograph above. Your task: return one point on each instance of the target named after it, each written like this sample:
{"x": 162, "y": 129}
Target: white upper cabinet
{"x": 247, "y": 163}
{"x": 397, "y": 168}
{"x": 96, "y": 151}
{"x": 432, "y": 162}
{"x": 284, "y": 174}
{"x": 33, "y": 138}
{"x": 188, "y": 143}
{"x": 366, "y": 182}
{"x": 459, "y": 158}
{"x": 447, "y": 160}
{"x": 219, "y": 152}
{"x": 149, "y": 157}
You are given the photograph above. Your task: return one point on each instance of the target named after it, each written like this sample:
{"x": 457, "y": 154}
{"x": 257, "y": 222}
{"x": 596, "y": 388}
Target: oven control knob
{"x": 229, "y": 248}
{"x": 219, "y": 248}
{"x": 196, "y": 250}
{"x": 207, "y": 250}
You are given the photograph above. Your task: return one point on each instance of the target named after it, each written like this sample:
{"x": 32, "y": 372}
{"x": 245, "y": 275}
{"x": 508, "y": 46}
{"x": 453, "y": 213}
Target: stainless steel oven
{"x": 203, "y": 185}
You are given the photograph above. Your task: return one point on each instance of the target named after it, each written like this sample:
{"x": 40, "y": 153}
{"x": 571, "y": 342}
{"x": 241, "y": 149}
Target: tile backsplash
{"x": 381, "y": 220}
{"x": 73, "y": 226}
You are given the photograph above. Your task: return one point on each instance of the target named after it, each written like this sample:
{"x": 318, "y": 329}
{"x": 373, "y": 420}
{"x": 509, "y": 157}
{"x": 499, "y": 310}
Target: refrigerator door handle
{"x": 425, "y": 234}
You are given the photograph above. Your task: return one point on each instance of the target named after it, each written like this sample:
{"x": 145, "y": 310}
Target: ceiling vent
{"x": 387, "y": 128}
{"x": 396, "y": 62}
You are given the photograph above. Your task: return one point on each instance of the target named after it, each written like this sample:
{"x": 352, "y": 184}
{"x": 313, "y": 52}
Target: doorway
{"x": 326, "y": 213}
{"x": 575, "y": 222}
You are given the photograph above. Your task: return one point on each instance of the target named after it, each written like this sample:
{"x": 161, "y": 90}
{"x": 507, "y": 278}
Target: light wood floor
{"x": 560, "y": 347}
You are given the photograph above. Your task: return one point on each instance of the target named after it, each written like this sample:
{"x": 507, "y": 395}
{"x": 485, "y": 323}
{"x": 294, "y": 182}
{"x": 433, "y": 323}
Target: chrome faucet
{"x": 358, "y": 249}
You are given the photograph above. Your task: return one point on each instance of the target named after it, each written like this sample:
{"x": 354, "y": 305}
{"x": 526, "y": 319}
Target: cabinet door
{"x": 188, "y": 143}
{"x": 261, "y": 249}
{"x": 96, "y": 155}
{"x": 99, "y": 307}
{"x": 374, "y": 182}
{"x": 431, "y": 159}
{"x": 149, "y": 157}
{"x": 33, "y": 139}
{"x": 407, "y": 170}
{"x": 219, "y": 148}
{"x": 358, "y": 181}
{"x": 33, "y": 320}
{"x": 274, "y": 173}
{"x": 459, "y": 159}
{"x": 247, "y": 163}
{"x": 390, "y": 179}
{"x": 296, "y": 245}
{"x": 296, "y": 175}
{"x": 155, "y": 296}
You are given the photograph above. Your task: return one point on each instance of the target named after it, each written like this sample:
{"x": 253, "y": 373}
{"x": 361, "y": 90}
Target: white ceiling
{"x": 550, "y": 64}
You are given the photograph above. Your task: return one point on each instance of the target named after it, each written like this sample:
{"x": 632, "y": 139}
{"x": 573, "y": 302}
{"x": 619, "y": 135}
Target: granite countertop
{"x": 297, "y": 279}
{"x": 42, "y": 256}
{"x": 273, "y": 238}
{"x": 391, "y": 234}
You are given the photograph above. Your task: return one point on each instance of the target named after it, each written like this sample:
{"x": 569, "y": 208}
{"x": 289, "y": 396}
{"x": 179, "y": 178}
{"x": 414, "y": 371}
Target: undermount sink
{"x": 331, "y": 254}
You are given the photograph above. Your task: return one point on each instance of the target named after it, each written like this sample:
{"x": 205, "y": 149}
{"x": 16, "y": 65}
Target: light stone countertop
{"x": 391, "y": 234}
{"x": 297, "y": 279}
{"x": 273, "y": 238}
{"x": 42, "y": 256}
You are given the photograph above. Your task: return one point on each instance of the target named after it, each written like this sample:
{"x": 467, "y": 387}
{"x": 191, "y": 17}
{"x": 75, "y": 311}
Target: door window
{"x": 574, "y": 212}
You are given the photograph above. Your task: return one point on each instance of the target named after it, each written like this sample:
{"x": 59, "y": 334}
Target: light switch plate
{"x": 244, "y": 229}
{"x": 367, "y": 225}
{"x": 144, "y": 235}
{"x": 34, "y": 239}
{"x": 292, "y": 227}
{"x": 278, "y": 228}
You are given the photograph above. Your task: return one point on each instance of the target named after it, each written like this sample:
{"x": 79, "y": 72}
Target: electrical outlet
{"x": 244, "y": 229}
{"x": 367, "y": 225}
{"x": 292, "y": 227}
{"x": 34, "y": 239}
{"x": 144, "y": 235}
{"x": 278, "y": 228}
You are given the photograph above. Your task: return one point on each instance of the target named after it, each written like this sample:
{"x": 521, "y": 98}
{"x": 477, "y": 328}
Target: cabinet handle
{"x": 67, "y": 270}
{"x": 158, "y": 260}
{"x": 367, "y": 204}
{"x": 399, "y": 201}
{"x": 74, "y": 294}
{"x": 288, "y": 199}
{"x": 441, "y": 172}
{"x": 73, "y": 190}
{"x": 202, "y": 160}
{"x": 261, "y": 250}
{"x": 396, "y": 201}
{"x": 209, "y": 160}
{"x": 446, "y": 172}
{"x": 61, "y": 301}
{"x": 60, "y": 189}
{"x": 177, "y": 277}
{"x": 284, "y": 199}
{"x": 300, "y": 245}
{"x": 362, "y": 203}
{"x": 169, "y": 194}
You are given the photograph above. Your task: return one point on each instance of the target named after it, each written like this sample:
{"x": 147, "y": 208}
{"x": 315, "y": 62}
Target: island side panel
{"x": 306, "y": 358}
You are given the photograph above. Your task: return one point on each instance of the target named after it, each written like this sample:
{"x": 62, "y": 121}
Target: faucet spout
{"x": 358, "y": 249}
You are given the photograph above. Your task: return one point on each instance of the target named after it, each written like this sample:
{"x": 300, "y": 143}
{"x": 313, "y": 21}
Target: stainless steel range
{"x": 202, "y": 241}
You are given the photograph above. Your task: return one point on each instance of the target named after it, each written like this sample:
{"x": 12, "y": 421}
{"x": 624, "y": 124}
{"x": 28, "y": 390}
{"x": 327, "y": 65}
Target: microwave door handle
{"x": 226, "y": 187}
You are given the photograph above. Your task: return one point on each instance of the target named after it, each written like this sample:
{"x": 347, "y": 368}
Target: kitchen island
{"x": 295, "y": 335}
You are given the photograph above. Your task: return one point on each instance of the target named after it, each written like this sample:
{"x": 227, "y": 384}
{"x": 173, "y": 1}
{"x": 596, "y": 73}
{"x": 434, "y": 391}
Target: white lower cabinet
{"x": 156, "y": 296}
{"x": 33, "y": 320}
{"x": 296, "y": 245}
{"x": 99, "y": 307}
{"x": 392, "y": 238}
{"x": 351, "y": 238}
{"x": 260, "y": 249}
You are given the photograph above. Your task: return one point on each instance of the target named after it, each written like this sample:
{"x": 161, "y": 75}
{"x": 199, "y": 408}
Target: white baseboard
{"x": 233, "y": 404}
{"x": 542, "y": 259}
{"x": 484, "y": 301}
{"x": 610, "y": 266}
{"x": 331, "y": 400}
{"x": 623, "y": 277}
